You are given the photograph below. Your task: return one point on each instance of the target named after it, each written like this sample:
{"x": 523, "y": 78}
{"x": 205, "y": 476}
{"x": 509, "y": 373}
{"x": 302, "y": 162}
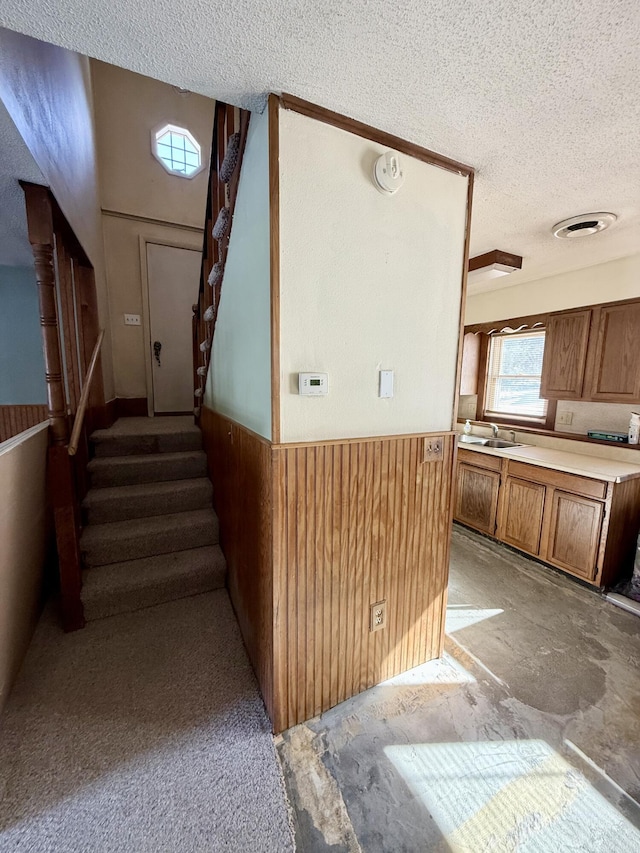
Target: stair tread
{"x": 134, "y": 584}
{"x": 126, "y": 470}
{"x": 146, "y": 526}
{"x": 136, "y": 427}
{"x": 135, "y": 490}
{"x": 140, "y": 458}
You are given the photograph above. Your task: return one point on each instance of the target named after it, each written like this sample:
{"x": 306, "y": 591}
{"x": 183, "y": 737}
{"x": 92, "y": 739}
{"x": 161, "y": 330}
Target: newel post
{"x": 60, "y": 473}
{"x": 40, "y": 226}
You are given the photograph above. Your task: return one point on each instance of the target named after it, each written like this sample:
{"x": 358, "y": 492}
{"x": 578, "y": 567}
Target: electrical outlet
{"x": 565, "y": 418}
{"x": 378, "y": 616}
{"x": 132, "y": 319}
{"x": 433, "y": 449}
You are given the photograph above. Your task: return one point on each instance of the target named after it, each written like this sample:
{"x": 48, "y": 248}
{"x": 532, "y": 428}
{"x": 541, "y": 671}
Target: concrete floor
{"x": 524, "y": 737}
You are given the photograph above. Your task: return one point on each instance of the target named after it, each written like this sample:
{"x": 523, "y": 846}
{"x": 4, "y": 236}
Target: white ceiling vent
{"x": 584, "y": 225}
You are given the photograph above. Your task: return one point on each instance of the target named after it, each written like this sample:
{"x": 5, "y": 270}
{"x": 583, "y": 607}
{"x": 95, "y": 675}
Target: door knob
{"x": 157, "y": 346}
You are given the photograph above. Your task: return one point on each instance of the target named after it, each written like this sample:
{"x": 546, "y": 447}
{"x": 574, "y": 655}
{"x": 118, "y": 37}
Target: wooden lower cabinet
{"x": 520, "y": 524}
{"x": 582, "y": 525}
{"x": 574, "y": 535}
{"x": 477, "y": 497}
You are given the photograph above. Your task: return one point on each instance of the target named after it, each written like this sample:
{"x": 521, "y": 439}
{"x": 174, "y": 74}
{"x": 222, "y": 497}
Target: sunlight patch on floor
{"x": 502, "y": 796}
{"x": 460, "y": 616}
{"x": 444, "y": 670}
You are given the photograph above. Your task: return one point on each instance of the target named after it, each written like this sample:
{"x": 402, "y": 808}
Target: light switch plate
{"x": 132, "y": 319}
{"x": 565, "y": 418}
{"x": 386, "y": 384}
{"x": 433, "y": 451}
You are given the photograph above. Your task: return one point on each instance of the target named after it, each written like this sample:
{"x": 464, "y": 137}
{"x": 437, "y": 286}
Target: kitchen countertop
{"x": 562, "y": 460}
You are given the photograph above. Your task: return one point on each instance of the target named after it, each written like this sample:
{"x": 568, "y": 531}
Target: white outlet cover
{"x": 132, "y": 319}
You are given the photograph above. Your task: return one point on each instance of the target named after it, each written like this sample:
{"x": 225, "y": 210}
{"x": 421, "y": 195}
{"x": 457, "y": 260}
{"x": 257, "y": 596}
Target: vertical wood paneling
{"x": 15, "y": 419}
{"x": 358, "y": 521}
{"x": 314, "y": 535}
{"x": 240, "y": 468}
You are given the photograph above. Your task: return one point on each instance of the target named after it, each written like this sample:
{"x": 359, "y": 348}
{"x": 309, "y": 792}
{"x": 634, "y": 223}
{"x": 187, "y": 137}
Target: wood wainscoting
{"x": 239, "y": 464}
{"x": 314, "y": 534}
{"x": 15, "y": 419}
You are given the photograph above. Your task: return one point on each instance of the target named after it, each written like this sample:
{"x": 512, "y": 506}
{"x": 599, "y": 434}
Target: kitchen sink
{"x": 488, "y": 442}
{"x": 498, "y": 442}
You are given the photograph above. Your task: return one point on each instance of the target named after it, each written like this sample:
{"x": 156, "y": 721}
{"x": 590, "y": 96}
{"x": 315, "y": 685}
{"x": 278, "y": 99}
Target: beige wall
{"x": 22, "y": 546}
{"x": 619, "y": 279}
{"x": 368, "y": 282}
{"x": 128, "y": 107}
{"x": 123, "y": 239}
{"x": 47, "y": 92}
{"x": 609, "y": 282}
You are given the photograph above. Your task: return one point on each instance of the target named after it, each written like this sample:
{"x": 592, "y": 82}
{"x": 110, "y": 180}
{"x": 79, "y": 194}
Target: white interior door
{"x": 173, "y": 276}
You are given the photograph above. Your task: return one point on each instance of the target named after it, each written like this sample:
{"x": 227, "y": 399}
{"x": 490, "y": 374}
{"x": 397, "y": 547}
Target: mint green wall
{"x": 21, "y": 360}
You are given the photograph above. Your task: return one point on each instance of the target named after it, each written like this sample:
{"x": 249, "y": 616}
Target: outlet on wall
{"x": 565, "y": 418}
{"x": 378, "y": 616}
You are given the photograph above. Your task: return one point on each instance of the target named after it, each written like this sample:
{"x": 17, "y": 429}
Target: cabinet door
{"x": 477, "y": 498}
{"x": 470, "y": 364}
{"x": 565, "y": 355}
{"x": 574, "y": 535}
{"x": 615, "y": 371}
{"x": 521, "y": 515}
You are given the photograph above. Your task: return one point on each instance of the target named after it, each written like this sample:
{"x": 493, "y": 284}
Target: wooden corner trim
{"x": 463, "y": 299}
{"x": 411, "y": 149}
{"x": 274, "y": 260}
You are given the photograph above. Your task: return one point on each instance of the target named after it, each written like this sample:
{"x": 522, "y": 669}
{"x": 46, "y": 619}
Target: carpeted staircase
{"x": 150, "y": 533}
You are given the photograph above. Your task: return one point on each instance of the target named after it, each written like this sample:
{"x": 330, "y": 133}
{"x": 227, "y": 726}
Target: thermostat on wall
{"x": 313, "y": 384}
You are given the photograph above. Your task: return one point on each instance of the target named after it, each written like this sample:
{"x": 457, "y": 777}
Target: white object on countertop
{"x": 634, "y": 428}
{"x": 467, "y": 427}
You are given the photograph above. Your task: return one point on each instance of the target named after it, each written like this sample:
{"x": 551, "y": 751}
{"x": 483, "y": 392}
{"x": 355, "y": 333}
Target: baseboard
{"x": 131, "y": 407}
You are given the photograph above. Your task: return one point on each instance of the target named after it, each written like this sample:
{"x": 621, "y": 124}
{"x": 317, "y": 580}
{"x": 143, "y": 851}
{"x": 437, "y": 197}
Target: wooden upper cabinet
{"x": 565, "y": 355}
{"x": 615, "y": 354}
{"x": 470, "y": 364}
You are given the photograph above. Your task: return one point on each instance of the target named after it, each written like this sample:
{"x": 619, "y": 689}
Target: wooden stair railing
{"x": 71, "y": 341}
{"x": 222, "y": 194}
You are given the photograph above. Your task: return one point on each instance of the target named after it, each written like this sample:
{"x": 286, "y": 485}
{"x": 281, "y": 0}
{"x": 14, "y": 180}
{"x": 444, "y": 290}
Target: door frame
{"x": 193, "y": 245}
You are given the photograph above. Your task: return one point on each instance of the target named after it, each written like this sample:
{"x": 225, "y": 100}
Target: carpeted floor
{"x": 143, "y": 732}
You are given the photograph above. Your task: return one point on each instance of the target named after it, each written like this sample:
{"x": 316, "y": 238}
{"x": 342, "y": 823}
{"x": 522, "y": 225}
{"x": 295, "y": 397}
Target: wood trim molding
{"x": 496, "y": 256}
{"x": 148, "y": 220}
{"x": 463, "y": 296}
{"x": 411, "y": 149}
{"x": 274, "y": 218}
{"x": 511, "y": 324}
{"x": 333, "y": 442}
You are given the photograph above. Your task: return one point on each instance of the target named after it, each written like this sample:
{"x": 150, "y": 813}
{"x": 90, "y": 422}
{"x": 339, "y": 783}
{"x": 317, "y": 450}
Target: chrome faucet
{"x": 494, "y": 430}
{"x": 512, "y": 433}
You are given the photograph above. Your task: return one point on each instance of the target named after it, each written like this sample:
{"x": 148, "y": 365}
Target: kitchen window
{"x": 514, "y": 369}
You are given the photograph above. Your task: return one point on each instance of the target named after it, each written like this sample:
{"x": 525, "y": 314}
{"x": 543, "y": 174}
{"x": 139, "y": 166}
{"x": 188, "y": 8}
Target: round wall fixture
{"x": 584, "y": 225}
{"x": 387, "y": 173}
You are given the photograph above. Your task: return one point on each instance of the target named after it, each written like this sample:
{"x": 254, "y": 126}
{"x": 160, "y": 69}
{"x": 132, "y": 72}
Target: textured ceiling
{"x": 540, "y": 97}
{"x": 16, "y": 163}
